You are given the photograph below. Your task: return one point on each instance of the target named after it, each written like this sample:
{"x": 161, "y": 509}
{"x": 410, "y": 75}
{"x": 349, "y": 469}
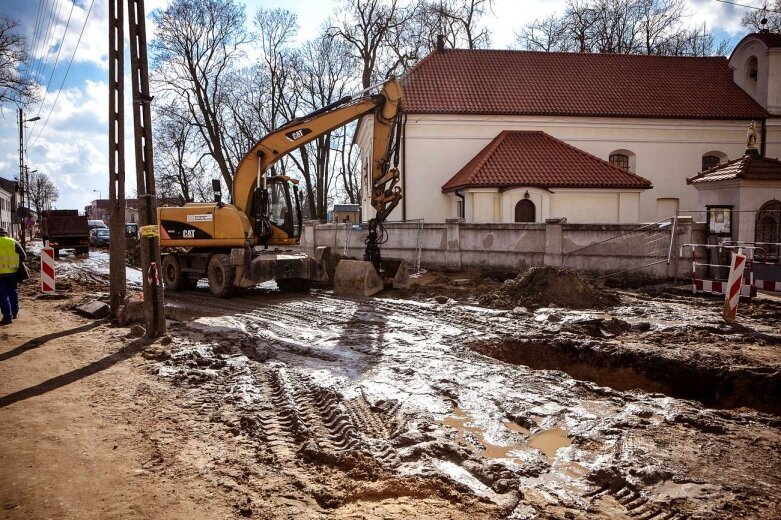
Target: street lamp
{"x": 22, "y": 172}
{"x": 100, "y": 194}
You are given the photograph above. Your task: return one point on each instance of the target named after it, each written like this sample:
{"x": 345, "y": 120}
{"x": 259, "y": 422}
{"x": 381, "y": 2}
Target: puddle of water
{"x": 549, "y": 441}
{"x": 461, "y": 422}
{"x": 516, "y": 427}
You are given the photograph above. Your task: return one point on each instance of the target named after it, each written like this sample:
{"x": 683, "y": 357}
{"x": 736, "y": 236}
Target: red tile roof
{"x": 460, "y": 81}
{"x": 536, "y": 159}
{"x": 746, "y": 167}
{"x": 771, "y": 40}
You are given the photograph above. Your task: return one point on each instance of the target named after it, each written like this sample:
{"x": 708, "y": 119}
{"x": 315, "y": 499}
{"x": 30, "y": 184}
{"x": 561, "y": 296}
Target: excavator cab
{"x": 276, "y": 211}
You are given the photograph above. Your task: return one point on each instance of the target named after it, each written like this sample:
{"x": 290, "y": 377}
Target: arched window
{"x": 525, "y": 211}
{"x": 768, "y": 228}
{"x": 712, "y": 158}
{"x": 623, "y": 159}
{"x": 620, "y": 160}
{"x": 752, "y": 69}
{"x": 709, "y": 161}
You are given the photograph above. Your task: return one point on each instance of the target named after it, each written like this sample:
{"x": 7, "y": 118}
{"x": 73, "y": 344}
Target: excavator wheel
{"x": 173, "y": 277}
{"x": 221, "y": 276}
{"x": 298, "y": 285}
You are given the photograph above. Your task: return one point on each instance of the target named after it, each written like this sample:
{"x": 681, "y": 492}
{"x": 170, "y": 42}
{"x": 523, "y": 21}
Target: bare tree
{"x": 620, "y": 27}
{"x": 41, "y": 191}
{"x": 457, "y": 21}
{"x": 14, "y": 86}
{"x": 324, "y": 76}
{"x": 770, "y": 12}
{"x": 349, "y": 166}
{"x": 179, "y": 166}
{"x": 197, "y": 45}
{"x": 547, "y": 35}
{"x": 368, "y": 26}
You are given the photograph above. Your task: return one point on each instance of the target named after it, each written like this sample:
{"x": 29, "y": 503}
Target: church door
{"x": 525, "y": 211}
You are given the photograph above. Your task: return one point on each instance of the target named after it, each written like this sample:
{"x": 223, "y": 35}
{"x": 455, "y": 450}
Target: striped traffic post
{"x": 734, "y": 283}
{"x": 47, "y": 269}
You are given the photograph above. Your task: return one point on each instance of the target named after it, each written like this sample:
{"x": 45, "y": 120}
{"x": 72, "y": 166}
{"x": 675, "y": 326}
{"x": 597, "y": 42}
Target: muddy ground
{"x": 421, "y": 403}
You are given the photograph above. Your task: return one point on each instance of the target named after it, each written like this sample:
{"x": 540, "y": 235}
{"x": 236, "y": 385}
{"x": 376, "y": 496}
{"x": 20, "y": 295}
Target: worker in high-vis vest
{"x": 11, "y": 255}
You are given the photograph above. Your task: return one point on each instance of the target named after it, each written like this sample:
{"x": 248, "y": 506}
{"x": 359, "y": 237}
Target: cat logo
{"x": 294, "y": 135}
{"x": 188, "y": 233}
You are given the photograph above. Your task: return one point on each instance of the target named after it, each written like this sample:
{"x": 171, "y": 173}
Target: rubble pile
{"x": 547, "y": 286}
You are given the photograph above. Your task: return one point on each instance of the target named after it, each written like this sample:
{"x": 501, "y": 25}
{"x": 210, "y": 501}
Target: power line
{"x": 34, "y": 40}
{"x": 54, "y": 67}
{"x": 66, "y": 72}
{"x": 47, "y": 36}
{"x": 749, "y": 6}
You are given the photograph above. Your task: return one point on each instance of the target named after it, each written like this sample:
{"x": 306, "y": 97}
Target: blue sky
{"x": 72, "y": 147}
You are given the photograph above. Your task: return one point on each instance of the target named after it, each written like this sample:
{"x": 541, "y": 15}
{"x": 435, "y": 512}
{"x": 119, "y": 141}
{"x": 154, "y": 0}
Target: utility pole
{"x": 23, "y": 185}
{"x": 142, "y": 125}
{"x": 116, "y": 154}
{"x": 20, "y": 210}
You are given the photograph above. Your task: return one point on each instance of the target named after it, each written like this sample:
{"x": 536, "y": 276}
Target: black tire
{"x": 221, "y": 276}
{"x": 297, "y": 285}
{"x": 173, "y": 278}
{"x": 82, "y": 251}
{"x": 56, "y": 254}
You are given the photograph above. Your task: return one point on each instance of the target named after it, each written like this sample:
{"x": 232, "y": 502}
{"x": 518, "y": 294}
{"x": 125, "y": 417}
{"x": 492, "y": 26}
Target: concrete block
{"x": 94, "y": 309}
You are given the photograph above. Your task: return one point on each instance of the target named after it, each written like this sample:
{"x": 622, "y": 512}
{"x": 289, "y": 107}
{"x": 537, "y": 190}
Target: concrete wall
{"x": 665, "y": 151}
{"x": 458, "y": 245}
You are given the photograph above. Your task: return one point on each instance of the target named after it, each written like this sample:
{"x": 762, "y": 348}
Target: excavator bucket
{"x": 356, "y": 278}
{"x": 360, "y": 278}
{"x": 394, "y": 272}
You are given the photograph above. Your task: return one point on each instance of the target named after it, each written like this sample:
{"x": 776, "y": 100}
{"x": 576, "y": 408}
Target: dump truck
{"x": 243, "y": 243}
{"x": 65, "y": 229}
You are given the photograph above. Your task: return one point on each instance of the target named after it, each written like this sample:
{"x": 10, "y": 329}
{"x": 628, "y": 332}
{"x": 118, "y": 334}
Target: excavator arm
{"x": 386, "y": 107}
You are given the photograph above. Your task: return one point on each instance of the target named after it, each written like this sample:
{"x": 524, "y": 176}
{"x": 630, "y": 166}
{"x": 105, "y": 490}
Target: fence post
{"x": 554, "y": 243}
{"x": 454, "y": 242}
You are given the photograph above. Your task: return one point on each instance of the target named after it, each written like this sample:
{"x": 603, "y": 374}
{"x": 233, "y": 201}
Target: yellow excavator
{"x": 231, "y": 244}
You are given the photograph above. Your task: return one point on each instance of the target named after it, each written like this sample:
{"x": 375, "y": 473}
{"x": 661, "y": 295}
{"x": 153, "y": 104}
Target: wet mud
{"x": 648, "y": 408}
{"x": 527, "y": 414}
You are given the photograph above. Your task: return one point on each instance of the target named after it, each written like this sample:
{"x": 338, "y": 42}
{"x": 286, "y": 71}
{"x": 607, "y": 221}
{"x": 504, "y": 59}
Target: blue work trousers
{"x": 9, "y": 296}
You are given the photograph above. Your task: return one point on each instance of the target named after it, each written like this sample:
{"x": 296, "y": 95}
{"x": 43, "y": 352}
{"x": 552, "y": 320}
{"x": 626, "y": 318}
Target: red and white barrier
{"x": 768, "y": 285}
{"x": 734, "y": 285}
{"x": 720, "y": 287}
{"x": 47, "y": 269}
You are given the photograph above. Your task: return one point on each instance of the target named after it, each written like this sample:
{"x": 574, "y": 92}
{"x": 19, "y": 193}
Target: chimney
{"x": 440, "y": 42}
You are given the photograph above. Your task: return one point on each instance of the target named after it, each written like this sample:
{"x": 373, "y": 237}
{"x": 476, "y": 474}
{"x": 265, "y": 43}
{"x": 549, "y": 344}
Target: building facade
{"x": 660, "y": 118}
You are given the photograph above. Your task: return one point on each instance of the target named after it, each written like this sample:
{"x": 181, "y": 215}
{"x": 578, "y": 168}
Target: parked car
{"x": 99, "y": 237}
{"x": 93, "y": 224}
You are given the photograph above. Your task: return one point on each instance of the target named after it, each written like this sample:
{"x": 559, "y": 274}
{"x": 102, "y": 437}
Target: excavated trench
{"x": 623, "y": 369}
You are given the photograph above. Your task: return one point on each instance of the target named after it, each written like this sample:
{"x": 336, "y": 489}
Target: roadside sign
{"x": 47, "y": 269}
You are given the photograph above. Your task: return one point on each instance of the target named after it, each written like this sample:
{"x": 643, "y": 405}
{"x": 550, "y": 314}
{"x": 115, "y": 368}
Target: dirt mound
{"x": 543, "y": 286}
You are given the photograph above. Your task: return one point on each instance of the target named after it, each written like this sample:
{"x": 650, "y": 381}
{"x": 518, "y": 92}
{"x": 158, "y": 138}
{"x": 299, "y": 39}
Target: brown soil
{"x": 271, "y": 405}
{"x": 546, "y": 286}
{"x": 90, "y": 430}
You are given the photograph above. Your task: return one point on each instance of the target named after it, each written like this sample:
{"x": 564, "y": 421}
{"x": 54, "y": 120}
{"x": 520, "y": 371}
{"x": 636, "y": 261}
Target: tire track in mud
{"x": 635, "y": 503}
{"x": 302, "y": 421}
